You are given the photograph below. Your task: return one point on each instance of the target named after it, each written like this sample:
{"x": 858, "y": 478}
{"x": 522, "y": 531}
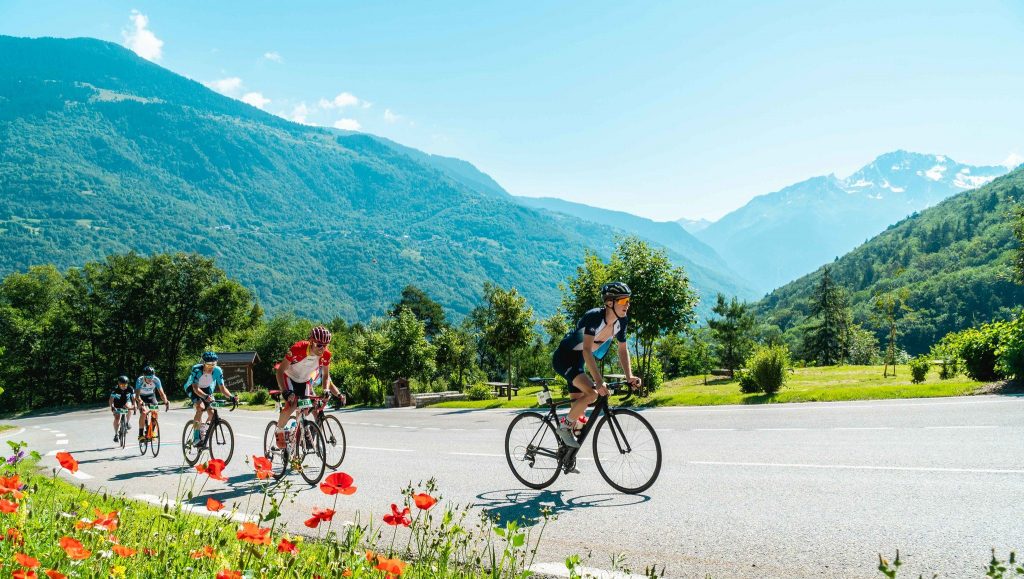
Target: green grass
{"x": 832, "y": 383}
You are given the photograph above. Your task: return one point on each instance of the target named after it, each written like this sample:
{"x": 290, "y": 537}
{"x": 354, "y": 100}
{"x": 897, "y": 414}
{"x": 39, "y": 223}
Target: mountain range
{"x": 102, "y": 151}
{"x": 778, "y": 237}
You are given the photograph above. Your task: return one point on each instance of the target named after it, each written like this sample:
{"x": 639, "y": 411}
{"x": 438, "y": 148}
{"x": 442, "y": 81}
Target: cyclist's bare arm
{"x": 627, "y": 366}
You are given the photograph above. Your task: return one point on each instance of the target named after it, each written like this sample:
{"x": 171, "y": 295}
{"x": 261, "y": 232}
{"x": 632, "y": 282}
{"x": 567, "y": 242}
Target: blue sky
{"x": 681, "y": 109}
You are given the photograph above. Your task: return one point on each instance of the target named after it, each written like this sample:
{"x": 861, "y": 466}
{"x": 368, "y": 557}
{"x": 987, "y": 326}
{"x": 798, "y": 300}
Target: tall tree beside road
{"x": 504, "y": 324}
{"x": 425, "y": 309}
{"x": 406, "y": 353}
{"x": 732, "y": 331}
{"x": 827, "y": 340}
{"x": 582, "y": 292}
{"x": 453, "y": 355}
{"x": 890, "y": 308}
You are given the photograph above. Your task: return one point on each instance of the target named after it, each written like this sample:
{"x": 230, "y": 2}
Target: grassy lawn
{"x": 804, "y": 385}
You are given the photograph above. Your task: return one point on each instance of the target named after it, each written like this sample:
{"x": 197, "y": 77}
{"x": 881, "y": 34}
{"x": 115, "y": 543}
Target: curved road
{"x": 787, "y": 490}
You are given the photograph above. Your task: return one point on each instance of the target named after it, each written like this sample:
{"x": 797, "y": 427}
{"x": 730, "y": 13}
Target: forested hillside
{"x": 955, "y": 260}
{"x": 103, "y": 152}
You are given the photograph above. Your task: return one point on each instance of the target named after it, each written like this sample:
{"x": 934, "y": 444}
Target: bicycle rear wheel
{"x": 221, "y": 442}
{"x": 334, "y": 438}
{"x": 278, "y": 456}
{"x": 189, "y": 448}
{"x": 311, "y": 453}
{"x": 627, "y": 451}
{"x": 154, "y": 440}
{"x": 123, "y": 430}
{"x": 533, "y": 450}
{"x": 143, "y": 442}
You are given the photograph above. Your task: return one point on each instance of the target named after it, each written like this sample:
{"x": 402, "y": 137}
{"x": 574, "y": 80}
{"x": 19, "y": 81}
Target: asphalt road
{"x": 788, "y": 490}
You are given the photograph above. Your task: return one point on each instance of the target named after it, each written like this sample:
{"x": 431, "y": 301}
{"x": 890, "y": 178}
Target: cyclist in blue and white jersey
{"x": 147, "y": 387}
{"x": 202, "y": 379}
{"x": 587, "y": 343}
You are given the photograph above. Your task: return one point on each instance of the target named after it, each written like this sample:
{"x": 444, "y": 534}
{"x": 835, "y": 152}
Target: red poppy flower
{"x": 398, "y": 517}
{"x": 11, "y": 485}
{"x": 319, "y": 515}
{"x": 252, "y": 533}
{"x": 206, "y": 551}
{"x": 74, "y": 549}
{"x": 393, "y": 567}
{"x": 54, "y": 574}
{"x": 337, "y": 483}
{"x": 149, "y": 552}
{"x": 123, "y": 551}
{"x": 286, "y": 546}
{"x": 229, "y": 574}
{"x": 67, "y": 461}
{"x": 105, "y": 522}
{"x": 213, "y": 505}
{"x": 7, "y": 506}
{"x": 14, "y": 535}
{"x": 424, "y": 501}
{"x": 264, "y": 468}
{"x": 24, "y": 574}
{"x": 26, "y": 561}
{"x": 213, "y": 469}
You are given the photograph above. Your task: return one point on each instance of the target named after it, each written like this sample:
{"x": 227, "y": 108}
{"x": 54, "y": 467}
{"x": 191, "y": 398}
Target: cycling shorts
{"x": 148, "y": 399}
{"x": 568, "y": 364}
{"x": 207, "y": 392}
{"x": 299, "y": 389}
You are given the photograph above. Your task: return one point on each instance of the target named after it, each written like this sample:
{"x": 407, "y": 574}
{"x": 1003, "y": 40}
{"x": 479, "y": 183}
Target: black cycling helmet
{"x": 122, "y": 379}
{"x": 209, "y": 356}
{"x": 614, "y": 290}
{"x": 149, "y": 371}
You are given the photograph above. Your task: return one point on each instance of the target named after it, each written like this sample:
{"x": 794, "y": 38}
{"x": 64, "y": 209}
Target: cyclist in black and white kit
{"x": 580, "y": 349}
{"x": 146, "y": 388}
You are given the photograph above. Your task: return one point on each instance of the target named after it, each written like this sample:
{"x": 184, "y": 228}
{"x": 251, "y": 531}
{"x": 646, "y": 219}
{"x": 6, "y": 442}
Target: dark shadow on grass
{"x": 527, "y": 507}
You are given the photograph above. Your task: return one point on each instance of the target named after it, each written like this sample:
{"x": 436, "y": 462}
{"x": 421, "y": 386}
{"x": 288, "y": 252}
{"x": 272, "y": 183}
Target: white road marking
{"x": 59, "y": 434}
{"x": 62, "y": 442}
{"x": 864, "y": 467}
{"x": 476, "y": 454}
{"x": 431, "y": 428}
{"x": 383, "y": 449}
{"x": 560, "y": 570}
{"x": 250, "y": 436}
{"x": 779, "y": 429}
{"x": 714, "y": 429}
{"x": 194, "y": 509}
{"x": 864, "y": 428}
{"x": 52, "y": 452}
{"x": 955, "y": 427}
{"x": 81, "y": 475}
{"x": 905, "y": 403}
{"x": 15, "y": 433}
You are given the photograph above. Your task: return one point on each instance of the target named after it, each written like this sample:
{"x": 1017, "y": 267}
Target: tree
{"x": 663, "y": 302}
{"x": 582, "y": 292}
{"x": 453, "y": 355}
{"x": 890, "y": 306}
{"x": 504, "y": 323}
{"x": 732, "y": 331}
{"x": 1018, "y": 231}
{"x": 827, "y": 340}
{"x": 406, "y": 353}
{"x": 425, "y": 309}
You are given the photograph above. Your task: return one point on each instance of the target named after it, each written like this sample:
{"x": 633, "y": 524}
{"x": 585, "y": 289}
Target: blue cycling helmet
{"x": 149, "y": 371}
{"x": 209, "y": 356}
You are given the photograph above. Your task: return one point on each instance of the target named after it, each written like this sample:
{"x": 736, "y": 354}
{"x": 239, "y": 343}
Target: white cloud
{"x": 347, "y": 124}
{"x": 299, "y": 113}
{"x": 255, "y": 99}
{"x": 344, "y": 99}
{"x": 274, "y": 56}
{"x": 140, "y": 39}
{"x": 390, "y": 117}
{"x": 230, "y": 86}
{"x": 1013, "y": 160}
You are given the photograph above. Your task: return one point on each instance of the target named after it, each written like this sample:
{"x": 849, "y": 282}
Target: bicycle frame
{"x": 567, "y": 454}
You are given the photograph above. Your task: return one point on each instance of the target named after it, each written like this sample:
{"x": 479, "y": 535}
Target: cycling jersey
{"x": 120, "y": 398}
{"x": 304, "y": 367}
{"x": 204, "y": 381}
{"x": 145, "y": 389}
{"x": 593, "y": 324}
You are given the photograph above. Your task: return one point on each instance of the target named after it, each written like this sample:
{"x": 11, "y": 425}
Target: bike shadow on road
{"x": 528, "y": 507}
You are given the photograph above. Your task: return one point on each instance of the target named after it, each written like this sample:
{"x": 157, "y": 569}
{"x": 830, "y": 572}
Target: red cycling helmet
{"x": 320, "y": 334}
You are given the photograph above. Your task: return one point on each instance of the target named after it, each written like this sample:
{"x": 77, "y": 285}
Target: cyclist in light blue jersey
{"x": 147, "y": 387}
{"x": 202, "y": 379}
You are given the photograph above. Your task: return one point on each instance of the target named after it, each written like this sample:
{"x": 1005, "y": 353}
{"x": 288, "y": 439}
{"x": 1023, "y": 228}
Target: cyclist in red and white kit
{"x": 306, "y": 362}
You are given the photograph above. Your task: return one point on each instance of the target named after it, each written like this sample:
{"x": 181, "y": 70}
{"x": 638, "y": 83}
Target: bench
{"x": 502, "y": 388}
{"x": 428, "y": 398}
{"x": 721, "y": 372}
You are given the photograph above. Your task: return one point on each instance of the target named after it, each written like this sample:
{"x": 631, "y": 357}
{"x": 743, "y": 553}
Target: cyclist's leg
{"x": 117, "y": 423}
{"x": 582, "y": 394}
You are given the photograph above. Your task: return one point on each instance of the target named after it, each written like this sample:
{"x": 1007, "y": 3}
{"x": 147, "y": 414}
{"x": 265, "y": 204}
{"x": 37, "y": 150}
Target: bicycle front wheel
{"x": 124, "y": 429}
{"x": 278, "y": 456}
{"x": 222, "y": 442}
{"x": 334, "y": 438}
{"x": 533, "y": 450}
{"x": 311, "y": 453}
{"x": 189, "y": 437}
{"x": 627, "y": 451}
{"x": 143, "y": 442}
{"x": 154, "y": 441}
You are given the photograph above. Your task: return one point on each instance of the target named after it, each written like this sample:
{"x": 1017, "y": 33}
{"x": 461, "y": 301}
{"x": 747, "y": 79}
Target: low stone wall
{"x": 428, "y": 398}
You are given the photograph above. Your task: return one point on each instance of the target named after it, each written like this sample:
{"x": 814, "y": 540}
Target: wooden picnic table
{"x": 503, "y": 388}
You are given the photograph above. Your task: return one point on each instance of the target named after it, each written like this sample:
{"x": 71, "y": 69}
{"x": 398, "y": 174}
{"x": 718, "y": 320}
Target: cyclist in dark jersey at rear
{"x": 147, "y": 387}
{"x": 305, "y": 362}
{"x": 121, "y": 396}
{"x": 580, "y": 349}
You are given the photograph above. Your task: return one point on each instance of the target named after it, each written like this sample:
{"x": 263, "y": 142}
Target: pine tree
{"x": 733, "y": 332}
{"x": 827, "y": 341}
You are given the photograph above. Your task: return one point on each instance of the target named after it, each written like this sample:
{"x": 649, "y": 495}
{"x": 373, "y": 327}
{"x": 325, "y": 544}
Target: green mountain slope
{"x": 956, "y": 261}
{"x": 102, "y": 151}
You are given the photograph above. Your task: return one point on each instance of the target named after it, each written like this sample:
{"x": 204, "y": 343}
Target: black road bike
{"x": 122, "y": 426}
{"x": 219, "y": 441}
{"x": 626, "y": 448}
{"x": 305, "y": 450}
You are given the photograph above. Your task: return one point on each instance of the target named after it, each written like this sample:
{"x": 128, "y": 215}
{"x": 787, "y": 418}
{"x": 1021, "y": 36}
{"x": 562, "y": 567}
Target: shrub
{"x": 1010, "y": 352}
{"x": 479, "y": 392}
{"x": 951, "y": 361}
{"x": 976, "y": 349}
{"x": 259, "y": 397}
{"x": 747, "y": 383}
{"x": 918, "y": 369}
{"x": 768, "y": 367}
